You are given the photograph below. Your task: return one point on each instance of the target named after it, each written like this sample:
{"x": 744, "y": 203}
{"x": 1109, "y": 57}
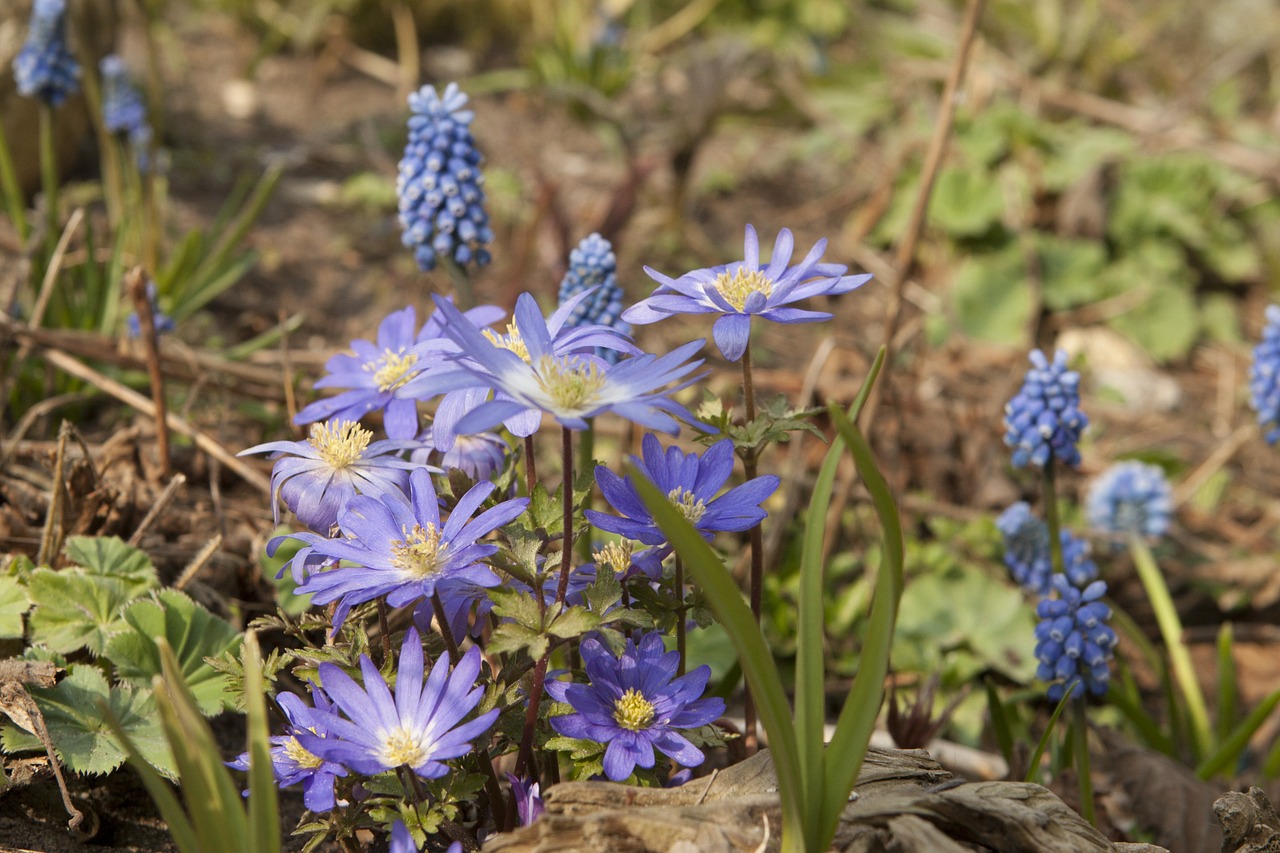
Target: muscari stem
{"x": 49, "y": 175}
{"x": 1080, "y": 732}
{"x": 1051, "y": 518}
{"x": 493, "y": 790}
{"x": 749, "y": 737}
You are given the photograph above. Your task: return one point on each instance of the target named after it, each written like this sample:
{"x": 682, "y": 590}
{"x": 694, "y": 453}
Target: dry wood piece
{"x": 900, "y": 807}
{"x": 16, "y": 703}
{"x": 1249, "y": 822}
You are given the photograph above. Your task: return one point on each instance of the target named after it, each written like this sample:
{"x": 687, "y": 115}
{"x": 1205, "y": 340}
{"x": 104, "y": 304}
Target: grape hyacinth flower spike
{"x": 1264, "y": 377}
{"x": 419, "y": 727}
{"x": 745, "y": 289}
{"x": 689, "y": 481}
{"x": 45, "y": 68}
{"x": 592, "y": 264}
{"x": 570, "y": 387}
{"x": 317, "y": 477}
{"x": 122, "y": 108}
{"x": 633, "y": 705}
{"x": 1026, "y": 547}
{"x": 1043, "y": 421}
{"x": 439, "y": 182}
{"x": 1130, "y": 497}
{"x": 1074, "y": 642}
{"x": 400, "y": 548}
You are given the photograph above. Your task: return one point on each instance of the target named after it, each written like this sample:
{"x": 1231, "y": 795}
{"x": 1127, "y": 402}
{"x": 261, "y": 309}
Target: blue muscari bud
{"x": 1043, "y": 421}
{"x": 1080, "y": 570}
{"x": 439, "y": 182}
{"x": 1074, "y": 643}
{"x": 122, "y": 108}
{"x": 1026, "y": 547}
{"x": 1130, "y": 497}
{"x": 593, "y": 264}
{"x": 45, "y": 68}
{"x": 1264, "y": 376}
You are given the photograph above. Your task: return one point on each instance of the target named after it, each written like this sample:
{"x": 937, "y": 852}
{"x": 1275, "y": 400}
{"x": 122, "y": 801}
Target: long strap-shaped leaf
{"x": 858, "y": 718}
{"x": 725, "y": 600}
{"x": 810, "y": 673}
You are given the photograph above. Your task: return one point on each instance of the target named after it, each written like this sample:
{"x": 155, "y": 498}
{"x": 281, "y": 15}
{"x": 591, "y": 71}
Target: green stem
{"x": 464, "y": 295}
{"x": 49, "y": 176}
{"x": 13, "y": 198}
{"x": 1080, "y": 731}
{"x": 756, "y": 537}
{"x": 1171, "y": 631}
{"x": 1050, "y": 496}
{"x": 586, "y": 462}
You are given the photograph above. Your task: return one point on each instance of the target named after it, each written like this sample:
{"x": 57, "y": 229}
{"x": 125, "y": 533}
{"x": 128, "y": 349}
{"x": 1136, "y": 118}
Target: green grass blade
{"x": 1033, "y": 767}
{"x": 264, "y": 810}
{"x": 14, "y": 201}
{"x": 1000, "y": 725}
{"x": 1125, "y": 696}
{"x": 1227, "y": 688}
{"x": 1171, "y": 631}
{"x": 858, "y": 718}
{"x": 1228, "y": 752}
{"x": 810, "y": 690}
{"x": 175, "y": 817}
{"x": 725, "y": 600}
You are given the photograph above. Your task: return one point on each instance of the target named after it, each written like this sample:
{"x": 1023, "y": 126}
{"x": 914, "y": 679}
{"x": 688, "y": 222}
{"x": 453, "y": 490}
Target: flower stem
{"x": 566, "y": 553}
{"x": 497, "y": 806}
{"x": 749, "y": 465}
{"x": 49, "y": 175}
{"x": 680, "y": 615}
{"x": 530, "y": 469}
{"x": 1080, "y": 732}
{"x": 384, "y": 627}
{"x": 464, "y": 293}
{"x": 1050, "y": 495}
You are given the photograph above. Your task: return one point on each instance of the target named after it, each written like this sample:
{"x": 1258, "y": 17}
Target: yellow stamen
{"x": 741, "y": 284}
{"x": 616, "y": 557}
{"x": 395, "y": 370}
{"x": 690, "y": 507}
{"x": 339, "y": 444}
{"x": 572, "y": 383}
{"x": 402, "y": 747}
{"x": 633, "y": 711}
{"x": 510, "y": 341}
{"x": 298, "y": 754}
{"x": 418, "y": 554}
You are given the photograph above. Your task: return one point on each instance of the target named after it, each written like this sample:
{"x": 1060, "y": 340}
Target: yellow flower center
{"x": 616, "y": 557}
{"x": 571, "y": 383}
{"x": 403, "y": 747}
{"x": 633, "y": 711}
{"x": 299, "y": 755}
{"x": 394, "y": 370}
{"x": 339, "y": 444}
{"x": 418, "y": 553}
{"x": 510, "y": 341}
{"x": 742, "y": 283}
{"x": 690, "y": 507}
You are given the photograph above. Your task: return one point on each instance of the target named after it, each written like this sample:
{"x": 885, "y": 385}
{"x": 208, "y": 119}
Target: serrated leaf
{"x": 509, "y": 638}
{"x": 573, "y": 622}
{"x": 577, "y": 748}
{"x": 194, "y": 634}
{"x": 73, "y": 609}
{"x": 73, "y": 713}
{"x": 113, "y": 557}
{"x": 518, "y": 606}
{"x": 604, "y": 593}
{"x": 13, "y": 604}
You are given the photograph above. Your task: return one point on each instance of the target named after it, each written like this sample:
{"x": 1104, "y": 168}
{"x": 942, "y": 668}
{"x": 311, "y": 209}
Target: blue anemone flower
{"x": 528, "y": 798}
{"x": 1264, "y": 376}
{"x": 540, "y": 375}
{"x": 317, "y": 477}
{"x": 420, "y": 727}
{"x": 592, "y": 264}
{"x": 292, "y": 763}
{"x": 633, "y": 705}
{"x": 439, "y": 182}
{"x": 479, "y": 456}
{"x": 399, "y": 547}
{"x": 45, "y": 68}
{"x": 689, "y": 481}
{"x": 1043, "y": 421}
{"x": 745, "y": 289}
{"x": 1074, "y": 643}
{"x": 1130, "y": 497}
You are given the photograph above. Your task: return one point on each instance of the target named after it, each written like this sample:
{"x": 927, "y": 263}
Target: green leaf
{"x": 604, "y": 593}
{"x": 990, "y": 296}
{"x": 73, "y": 713}
{"x": 1228, "y": 752}
{"x": 966, "y": 202}
{"x": 112, "y": 557}
{"x": 13, "y": 605}
{"x": 517, "y": 605}
{"x": 573, "y": 622}
{"x": 74, "y": 609}
{"x": 509, "y": 638}
{"x": 194, "y": 634}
